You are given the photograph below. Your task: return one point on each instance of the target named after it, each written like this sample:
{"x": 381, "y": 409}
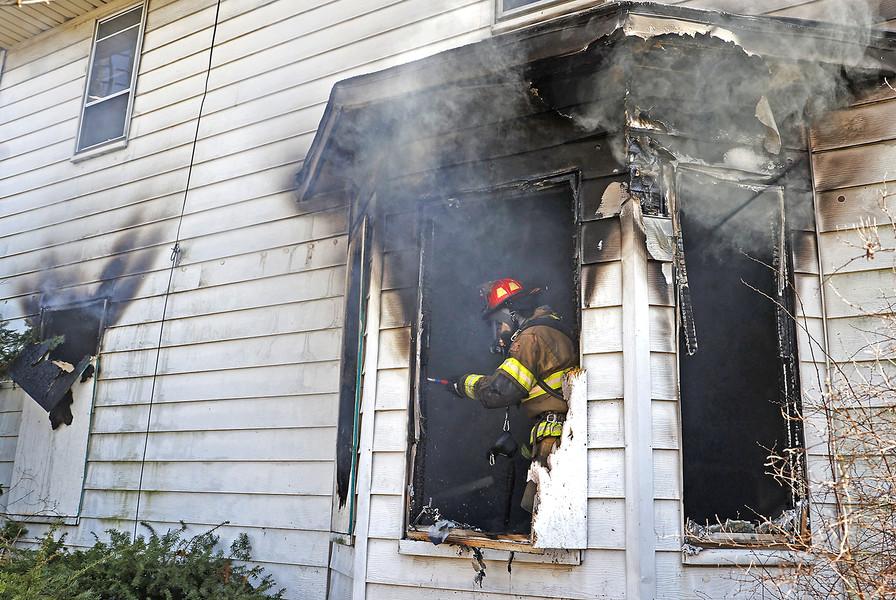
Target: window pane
{"x": 104, "y": 121}
{"x": 113, "y": 62}
{"x": 122, "y": 21}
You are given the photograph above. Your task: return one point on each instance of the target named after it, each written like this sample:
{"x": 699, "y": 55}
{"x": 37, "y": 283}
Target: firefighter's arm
{"x": 510, "y": 383}
{"x": 494, "y": 391}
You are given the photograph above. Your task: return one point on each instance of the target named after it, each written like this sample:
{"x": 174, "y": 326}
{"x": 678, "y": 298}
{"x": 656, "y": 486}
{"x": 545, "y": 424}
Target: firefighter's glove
{"x": 455, "y": 385}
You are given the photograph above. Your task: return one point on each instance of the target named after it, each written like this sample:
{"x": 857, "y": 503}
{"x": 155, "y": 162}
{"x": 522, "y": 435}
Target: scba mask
{"x": 504, "y": 324}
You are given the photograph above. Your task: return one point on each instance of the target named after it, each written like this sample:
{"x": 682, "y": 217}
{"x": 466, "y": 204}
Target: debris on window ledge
{"x": 786, "y": 531}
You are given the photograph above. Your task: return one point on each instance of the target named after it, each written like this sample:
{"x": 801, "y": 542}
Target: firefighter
{"x": 539, "y": 350}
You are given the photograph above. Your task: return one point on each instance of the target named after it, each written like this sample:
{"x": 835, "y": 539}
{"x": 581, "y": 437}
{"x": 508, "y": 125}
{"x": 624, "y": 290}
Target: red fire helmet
{"x": 498, "y": 293}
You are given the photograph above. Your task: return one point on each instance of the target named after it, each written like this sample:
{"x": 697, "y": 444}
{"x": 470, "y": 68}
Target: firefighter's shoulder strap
{"x": 554, "y": 322}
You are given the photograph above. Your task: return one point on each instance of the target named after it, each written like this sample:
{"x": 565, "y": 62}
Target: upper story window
{"x": 111, "y": 78}
{"x": 523, "y": 12}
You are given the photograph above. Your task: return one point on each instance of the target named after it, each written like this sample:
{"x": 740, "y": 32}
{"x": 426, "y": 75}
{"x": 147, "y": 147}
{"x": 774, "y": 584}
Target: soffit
{"x": 21, "y": 20}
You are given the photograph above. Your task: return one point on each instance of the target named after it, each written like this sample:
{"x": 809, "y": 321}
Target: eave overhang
{"x": 21, "y": 21}
{"x": 337, "y": 159}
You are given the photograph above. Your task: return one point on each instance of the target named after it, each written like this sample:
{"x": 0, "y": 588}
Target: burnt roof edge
{"x": 574, "y": 33}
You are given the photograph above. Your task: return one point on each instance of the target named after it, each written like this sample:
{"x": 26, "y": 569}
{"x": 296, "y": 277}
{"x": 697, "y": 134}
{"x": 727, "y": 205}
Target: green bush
{"x": 160, "y": 567}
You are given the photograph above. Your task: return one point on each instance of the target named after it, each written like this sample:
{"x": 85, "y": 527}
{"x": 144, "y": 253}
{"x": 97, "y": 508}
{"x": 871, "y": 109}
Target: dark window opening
{"x": 81, "y": 325}
{"x": 350, "y": 381}
{"x": 739, "y": 379}
{"x": 529, "y": 237}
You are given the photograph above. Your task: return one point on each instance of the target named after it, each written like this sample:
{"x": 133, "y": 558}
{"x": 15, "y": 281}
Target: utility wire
{"x": 175, "y": 252}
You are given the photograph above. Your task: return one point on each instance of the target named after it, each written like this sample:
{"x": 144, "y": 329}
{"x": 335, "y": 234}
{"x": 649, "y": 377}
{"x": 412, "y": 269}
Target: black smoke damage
{"x": 74, "y": 315}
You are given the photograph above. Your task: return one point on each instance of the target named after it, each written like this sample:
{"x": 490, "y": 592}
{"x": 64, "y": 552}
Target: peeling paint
{"x": 561, "y": 502}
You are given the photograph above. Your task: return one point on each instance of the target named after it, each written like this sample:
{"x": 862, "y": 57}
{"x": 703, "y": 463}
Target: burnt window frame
{"x": 354, "y": 332}
{"x": 789, "y": 376}
{"x": 82, "y": 149}
{"x": 415, "y": 540}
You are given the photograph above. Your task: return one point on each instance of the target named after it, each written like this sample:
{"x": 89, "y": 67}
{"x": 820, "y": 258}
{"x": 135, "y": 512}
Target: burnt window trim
{"x": 84, "y": 152}
{"x": 414, "y": 540}
{"x": 358, "y": 269}
{"x": 776, "y": 548}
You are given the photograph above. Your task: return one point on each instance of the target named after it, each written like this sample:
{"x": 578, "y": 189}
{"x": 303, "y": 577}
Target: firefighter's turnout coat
{"x": 541, "y": 351}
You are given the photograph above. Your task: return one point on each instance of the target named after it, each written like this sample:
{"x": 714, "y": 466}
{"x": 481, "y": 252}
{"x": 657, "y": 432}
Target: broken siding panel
{"x": 377, "y": 591}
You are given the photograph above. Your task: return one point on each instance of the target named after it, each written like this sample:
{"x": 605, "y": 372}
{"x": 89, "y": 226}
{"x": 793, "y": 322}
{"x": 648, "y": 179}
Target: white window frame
{"x": 121, "y": 141}
{"x": 538, "y": 11}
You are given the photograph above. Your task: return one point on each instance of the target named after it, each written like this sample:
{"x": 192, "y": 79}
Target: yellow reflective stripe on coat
{"x": 545, "y": 429}
{"x": 516, "y": 371}
{"x": 470, "y": 385}
{"x": 554, "y": 380}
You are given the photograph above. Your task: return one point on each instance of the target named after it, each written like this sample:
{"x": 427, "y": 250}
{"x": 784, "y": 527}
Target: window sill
{"x": 742, "y": 557}
{"x": 499, "y": 550}
{"x": 106, "y": 148}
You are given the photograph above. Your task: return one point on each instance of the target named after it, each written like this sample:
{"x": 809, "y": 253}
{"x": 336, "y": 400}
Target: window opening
{"x": 469, "y": 241}
{"x": 108, "y": 97}
{"x": 739, "y": 380}
{"x": 351, "y": 377}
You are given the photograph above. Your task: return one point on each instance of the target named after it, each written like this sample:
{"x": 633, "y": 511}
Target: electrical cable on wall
{"x": 175, "y": 252}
